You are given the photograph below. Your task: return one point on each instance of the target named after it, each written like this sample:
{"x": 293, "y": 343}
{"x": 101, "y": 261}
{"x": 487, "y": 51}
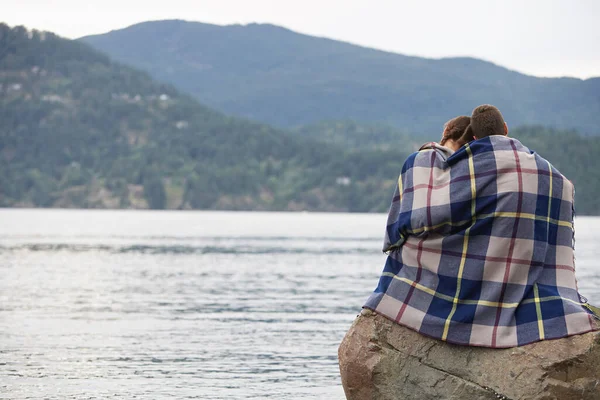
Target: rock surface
{"x": 382, "y": 360}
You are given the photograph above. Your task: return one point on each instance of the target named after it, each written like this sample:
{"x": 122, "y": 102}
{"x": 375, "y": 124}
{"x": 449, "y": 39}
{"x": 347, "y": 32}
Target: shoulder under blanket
{"x": 481, "y": 248}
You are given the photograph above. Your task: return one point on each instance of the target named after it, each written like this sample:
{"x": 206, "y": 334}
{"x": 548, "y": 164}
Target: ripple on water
{"x": 169, "y": 305}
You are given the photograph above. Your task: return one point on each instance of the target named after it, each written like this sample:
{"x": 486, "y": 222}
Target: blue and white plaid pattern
{"x": 480, "y": 248}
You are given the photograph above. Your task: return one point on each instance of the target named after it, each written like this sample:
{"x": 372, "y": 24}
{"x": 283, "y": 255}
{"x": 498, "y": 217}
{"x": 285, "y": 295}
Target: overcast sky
{"x": 537, "y": 37}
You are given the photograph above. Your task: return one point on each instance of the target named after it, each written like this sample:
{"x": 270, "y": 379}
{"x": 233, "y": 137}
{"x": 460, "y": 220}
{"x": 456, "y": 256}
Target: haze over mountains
{"x": 271, "y": 74}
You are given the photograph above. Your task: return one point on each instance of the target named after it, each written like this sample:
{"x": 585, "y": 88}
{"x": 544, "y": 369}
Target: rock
{"x": 382, "y": 360}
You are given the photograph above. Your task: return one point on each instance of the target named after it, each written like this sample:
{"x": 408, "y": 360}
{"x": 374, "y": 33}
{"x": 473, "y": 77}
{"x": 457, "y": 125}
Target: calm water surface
{"x": 155, "y": 305}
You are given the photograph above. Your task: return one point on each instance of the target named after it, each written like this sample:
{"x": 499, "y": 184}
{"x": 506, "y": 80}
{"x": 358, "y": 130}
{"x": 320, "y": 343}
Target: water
{"x": 155, "y": 305}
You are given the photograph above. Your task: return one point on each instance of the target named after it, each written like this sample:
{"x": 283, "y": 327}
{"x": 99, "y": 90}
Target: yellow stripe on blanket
{"x": 463, "y": 258}
{"x": 485, "y": 303}
{"x": 538, "y": 310}
{"x": 497, "y": 214}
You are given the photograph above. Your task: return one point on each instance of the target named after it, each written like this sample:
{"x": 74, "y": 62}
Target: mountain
{"x": 79, "y": 130}
{"x": 271, "y": 74}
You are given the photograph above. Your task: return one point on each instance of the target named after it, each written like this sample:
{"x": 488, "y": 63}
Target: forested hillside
{"x": 271, "y": 74}
{"x": 349, "y": 134}
{"x": 574, "y": 155}
{"x": 78, "y": 130}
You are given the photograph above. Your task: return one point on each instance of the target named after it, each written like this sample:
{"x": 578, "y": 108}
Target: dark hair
{"x": 486, "y": 120}
{"x": 454, "y": 129}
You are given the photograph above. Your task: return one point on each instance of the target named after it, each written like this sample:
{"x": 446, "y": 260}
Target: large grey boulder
{"x": 382, "y": 360}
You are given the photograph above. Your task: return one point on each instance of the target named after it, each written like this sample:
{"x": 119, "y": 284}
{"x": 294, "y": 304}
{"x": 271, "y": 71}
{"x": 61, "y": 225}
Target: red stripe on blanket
{"x": 458, "y": 254}
{"x": 530, "y": 171}
{"x": 512, "y": 243}
{"x": 420, "y": 246}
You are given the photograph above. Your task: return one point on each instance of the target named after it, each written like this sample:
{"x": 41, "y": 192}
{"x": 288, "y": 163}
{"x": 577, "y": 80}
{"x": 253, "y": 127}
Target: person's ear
{"x": 505, "y": 129}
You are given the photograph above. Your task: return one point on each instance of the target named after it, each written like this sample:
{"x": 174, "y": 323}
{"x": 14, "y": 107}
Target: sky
{"x": 548, "y": 38}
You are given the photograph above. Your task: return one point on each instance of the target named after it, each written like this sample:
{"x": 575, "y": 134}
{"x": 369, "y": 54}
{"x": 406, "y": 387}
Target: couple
{"x": 480, "y": 242}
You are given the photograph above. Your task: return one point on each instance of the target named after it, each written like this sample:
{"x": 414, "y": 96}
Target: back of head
{"x": 486, "y": 120}
{"x": 454, "y": 129}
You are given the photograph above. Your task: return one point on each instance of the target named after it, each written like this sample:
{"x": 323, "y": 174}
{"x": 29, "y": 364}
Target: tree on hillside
{"x": 154, "y": 191}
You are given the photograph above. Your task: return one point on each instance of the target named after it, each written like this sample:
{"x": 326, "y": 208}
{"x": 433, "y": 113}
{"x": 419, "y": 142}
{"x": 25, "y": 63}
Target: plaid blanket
{"x": 481, "y": 248}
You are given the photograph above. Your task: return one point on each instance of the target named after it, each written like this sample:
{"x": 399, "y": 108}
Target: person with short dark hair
{"x": 486, "y": 120}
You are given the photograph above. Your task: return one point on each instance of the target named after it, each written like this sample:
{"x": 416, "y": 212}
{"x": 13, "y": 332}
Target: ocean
{"x": 189, "y": 304}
